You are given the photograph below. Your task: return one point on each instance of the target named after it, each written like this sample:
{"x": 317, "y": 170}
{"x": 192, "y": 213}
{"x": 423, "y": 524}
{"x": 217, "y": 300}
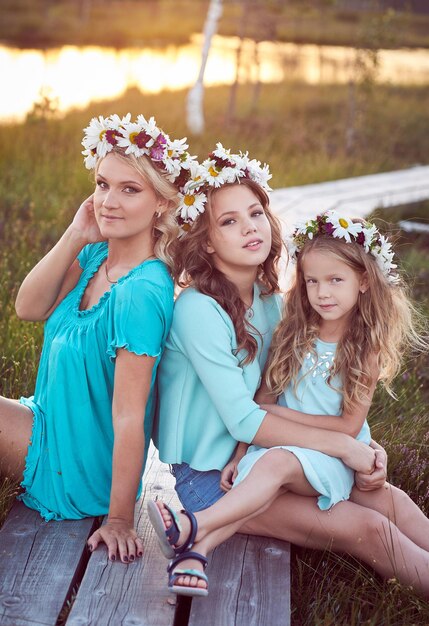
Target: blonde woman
{"x": 106, "y": 293}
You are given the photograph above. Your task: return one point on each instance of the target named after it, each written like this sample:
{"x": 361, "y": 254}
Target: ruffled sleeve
{"x": 140, "y": 317}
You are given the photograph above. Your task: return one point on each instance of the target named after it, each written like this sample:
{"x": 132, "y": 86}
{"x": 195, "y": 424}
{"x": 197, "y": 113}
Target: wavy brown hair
{"x": 383, "y": 324}
{"x": 194, "y": 267}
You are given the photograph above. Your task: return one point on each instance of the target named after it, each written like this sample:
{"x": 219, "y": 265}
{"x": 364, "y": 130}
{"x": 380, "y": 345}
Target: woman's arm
{"x": 264, "y": 395}
{"x": 277, "y": 431}
{"x": 349, "y": 423}
{"x": 133, "y": 376}
{"x": 58, "y": 272}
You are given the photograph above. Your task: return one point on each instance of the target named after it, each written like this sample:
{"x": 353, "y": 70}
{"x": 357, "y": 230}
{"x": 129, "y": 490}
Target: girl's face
{"x": 333, "y": 287}
{"x": 240, "y": 233}
{"x": 124, "y": 202}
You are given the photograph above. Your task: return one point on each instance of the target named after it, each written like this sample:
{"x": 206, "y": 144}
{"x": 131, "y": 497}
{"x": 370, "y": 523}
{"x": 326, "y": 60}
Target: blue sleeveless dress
{"x": 329, "y": 476}
{"x": 68, "y": 470}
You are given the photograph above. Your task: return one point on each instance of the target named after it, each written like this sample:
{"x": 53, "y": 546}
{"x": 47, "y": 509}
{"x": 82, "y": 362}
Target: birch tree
{"x": 194, "y": 105}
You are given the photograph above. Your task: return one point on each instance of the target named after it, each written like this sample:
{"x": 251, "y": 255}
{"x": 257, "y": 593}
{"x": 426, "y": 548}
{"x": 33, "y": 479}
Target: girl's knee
{"x": 282, "y": 463}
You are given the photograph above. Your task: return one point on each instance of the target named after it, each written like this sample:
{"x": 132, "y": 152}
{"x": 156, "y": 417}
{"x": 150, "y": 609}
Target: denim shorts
{"x": 196, "y": 490}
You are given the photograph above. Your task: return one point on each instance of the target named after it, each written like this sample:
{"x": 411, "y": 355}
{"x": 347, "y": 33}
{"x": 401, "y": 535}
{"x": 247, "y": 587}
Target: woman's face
{"x": 124, "y": 202}
{"x": 240, "y": 233}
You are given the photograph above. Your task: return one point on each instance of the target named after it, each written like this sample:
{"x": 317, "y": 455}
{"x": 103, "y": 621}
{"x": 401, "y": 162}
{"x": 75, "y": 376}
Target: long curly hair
{"x": 194, "y": 267}
{"x": 165, "y": 228}
{"x": 384, "y": 323}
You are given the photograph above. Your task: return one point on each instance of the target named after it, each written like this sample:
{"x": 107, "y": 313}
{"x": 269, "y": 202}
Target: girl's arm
{"x": 347, "y": 423}
{"x": 133, "y": 374}
{"x": 371, "y": 482}
{"x": 58, "y": 272}
{"x": 276, "y": 431}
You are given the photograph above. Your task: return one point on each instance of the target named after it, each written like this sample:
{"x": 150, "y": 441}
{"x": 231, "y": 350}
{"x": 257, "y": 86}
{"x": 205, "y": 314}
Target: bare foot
{"x": 185, "y": 524}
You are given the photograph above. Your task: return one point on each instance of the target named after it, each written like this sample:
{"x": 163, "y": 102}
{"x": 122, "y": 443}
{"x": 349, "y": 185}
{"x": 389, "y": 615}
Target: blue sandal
{"x": 168, "y": 537}
{"x": 182, "y": 590}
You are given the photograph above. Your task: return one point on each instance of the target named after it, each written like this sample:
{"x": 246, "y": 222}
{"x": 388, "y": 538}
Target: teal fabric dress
{"x": 329, "y": 476}
{"x": 68, "y": 470}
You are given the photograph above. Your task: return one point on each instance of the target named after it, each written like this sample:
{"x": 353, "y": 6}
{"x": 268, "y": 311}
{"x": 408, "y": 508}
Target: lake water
{"x": 75, "y": 76}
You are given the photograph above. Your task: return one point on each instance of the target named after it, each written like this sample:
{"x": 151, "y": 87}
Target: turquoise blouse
{"x": 69, "y": 463}
{"x": 205, "y": 396}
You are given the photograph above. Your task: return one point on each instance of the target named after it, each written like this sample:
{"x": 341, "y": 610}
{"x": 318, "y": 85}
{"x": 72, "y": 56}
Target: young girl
{"x": 106, "y": 293}
{"x": 209, "y": 372}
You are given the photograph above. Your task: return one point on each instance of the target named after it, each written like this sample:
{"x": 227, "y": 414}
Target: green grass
{"x": 163, "y": 22}
{"x": 300, "y": 130}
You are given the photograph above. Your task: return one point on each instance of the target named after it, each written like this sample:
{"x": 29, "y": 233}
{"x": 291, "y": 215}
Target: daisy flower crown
{"x": 141, "y": 137}
{"x": 364, "y": 234}
{"x": 219, "y": 168}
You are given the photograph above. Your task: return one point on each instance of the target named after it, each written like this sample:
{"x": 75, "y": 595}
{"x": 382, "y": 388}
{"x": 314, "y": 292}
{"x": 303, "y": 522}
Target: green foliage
{"x": 163, "y": 22}
{"x": 300, "y": 131}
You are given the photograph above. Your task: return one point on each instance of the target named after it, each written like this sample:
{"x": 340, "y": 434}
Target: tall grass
{"x": 163, "y": 22}
{"x": 300, "y": 131}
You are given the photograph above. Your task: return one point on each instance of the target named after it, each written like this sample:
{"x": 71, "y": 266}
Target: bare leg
{"x": 347, "y": 527}
{"x": 357, "y": 530}
{"x": 210, "y": 541}
{"x": 275, "y": 471}
{"x": 16, "y": 422}
{"x": 396, "y": 505}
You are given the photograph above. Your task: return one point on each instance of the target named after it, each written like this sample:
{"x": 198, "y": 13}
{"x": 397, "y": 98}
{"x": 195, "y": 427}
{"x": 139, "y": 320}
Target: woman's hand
{"x": 229, "y": 474}
{"x": 120, "y": 538}
{"x": 84, "y": 222}
{"x": 371, "y": 482}
{"x": 359, "y": 456}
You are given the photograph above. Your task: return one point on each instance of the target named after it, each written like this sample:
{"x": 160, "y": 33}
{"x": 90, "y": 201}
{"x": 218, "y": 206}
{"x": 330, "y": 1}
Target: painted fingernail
{"x": 140, "y": 553}
{"x": 132, "y": 557}
{"x": 125, "y": 559}
{"x": 113, "y": 557}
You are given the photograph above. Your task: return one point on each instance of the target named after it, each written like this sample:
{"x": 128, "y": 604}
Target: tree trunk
{"x": 233, "y": 92}
{"x": 194, "y": 105}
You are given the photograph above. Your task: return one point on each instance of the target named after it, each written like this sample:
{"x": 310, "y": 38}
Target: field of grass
{"x": 300, "y": 130}
{"x": 42, "y": 23}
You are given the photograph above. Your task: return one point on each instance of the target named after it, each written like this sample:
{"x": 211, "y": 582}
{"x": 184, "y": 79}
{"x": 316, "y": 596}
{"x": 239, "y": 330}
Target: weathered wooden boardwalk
{"x": 44, "y": 566}
{"x": 356, "y": 197}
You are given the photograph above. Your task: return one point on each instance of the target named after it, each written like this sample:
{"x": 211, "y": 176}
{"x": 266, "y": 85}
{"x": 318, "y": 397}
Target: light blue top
{"x": 205, "y": 396}
{"x": 69, "y": 463}
{"x": 313, "y": 393}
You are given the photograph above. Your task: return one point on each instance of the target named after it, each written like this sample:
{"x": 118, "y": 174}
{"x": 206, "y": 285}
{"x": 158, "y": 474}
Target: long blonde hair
{"x": 165, "y": 228}
{"x": 384, "y": 323}
{"x": 194, "y": 267}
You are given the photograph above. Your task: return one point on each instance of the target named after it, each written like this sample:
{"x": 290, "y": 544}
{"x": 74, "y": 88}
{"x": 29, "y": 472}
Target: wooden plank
{"x": 40, "y": 562}
{"x": 113, "y": 594}
{"x": 357, "y": 196}
{"x": 249, "y": 584}
{"x": 414, "y": 227}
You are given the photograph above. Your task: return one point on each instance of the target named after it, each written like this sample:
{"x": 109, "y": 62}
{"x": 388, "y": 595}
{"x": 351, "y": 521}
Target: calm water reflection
{"x": 78, "y": 75}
